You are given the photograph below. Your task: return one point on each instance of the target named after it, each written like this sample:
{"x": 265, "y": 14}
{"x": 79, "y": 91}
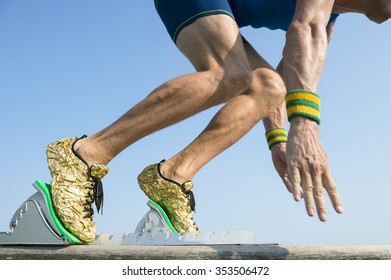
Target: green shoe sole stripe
{"x": 45, "y": 188}
{"x": 164, "y": 215}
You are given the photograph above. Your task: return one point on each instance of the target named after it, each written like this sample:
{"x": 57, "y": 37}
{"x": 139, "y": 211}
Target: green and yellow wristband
{"x": 303, "y": 103}
{"x": 276, "y": 135}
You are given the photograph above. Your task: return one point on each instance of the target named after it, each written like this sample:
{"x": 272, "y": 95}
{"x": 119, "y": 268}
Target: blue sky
{"x": 69, "y": 68}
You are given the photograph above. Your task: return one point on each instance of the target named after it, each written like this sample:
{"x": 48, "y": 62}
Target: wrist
{"x": 278, "y": 146}
{"x": 302, "y": 121}
{"x": 302, "y": 127}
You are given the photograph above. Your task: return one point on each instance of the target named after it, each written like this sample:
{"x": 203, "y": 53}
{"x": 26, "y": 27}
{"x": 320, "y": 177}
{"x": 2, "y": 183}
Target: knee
{"x": 238, "y": 80}
{"x": 277, "y": 90}
{"x": 270, "y": 88}
{"x": 232, "y": 83}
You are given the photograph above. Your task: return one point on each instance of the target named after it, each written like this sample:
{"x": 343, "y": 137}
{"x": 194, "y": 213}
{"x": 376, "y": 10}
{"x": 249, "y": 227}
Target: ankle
{"x": 169, "y": 171}
{"x": 88, "y": 152}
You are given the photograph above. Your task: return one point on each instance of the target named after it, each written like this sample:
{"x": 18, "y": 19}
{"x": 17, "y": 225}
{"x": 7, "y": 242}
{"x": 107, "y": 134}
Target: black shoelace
{"x": 98, "y": 192}
{"x": 190, "y": 196}
{"x": 98, "y": 186}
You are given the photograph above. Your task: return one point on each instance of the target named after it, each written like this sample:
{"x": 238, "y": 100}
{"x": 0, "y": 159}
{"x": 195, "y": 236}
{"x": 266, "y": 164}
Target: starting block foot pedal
{"x": 36, "y": 223}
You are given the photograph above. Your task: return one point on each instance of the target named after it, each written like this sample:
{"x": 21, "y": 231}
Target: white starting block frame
{"x": 35, "y": 223}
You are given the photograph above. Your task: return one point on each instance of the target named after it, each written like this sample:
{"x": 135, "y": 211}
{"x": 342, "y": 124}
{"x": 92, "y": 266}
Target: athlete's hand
{"x": 308, "y": 167}
{"x": 278, "y": 152}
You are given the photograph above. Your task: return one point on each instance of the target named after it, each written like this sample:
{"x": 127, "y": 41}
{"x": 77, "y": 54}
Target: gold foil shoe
{"x": 75, "y": 186}
{"x": 175, "y": 199}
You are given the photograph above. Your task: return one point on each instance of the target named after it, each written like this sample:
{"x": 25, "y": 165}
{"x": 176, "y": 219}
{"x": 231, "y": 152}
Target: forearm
{"x": 303, "y": 58}
{"x": 306, "y": 46}
{"x": 277, "y": 117}
{"x": 304, "y": 55}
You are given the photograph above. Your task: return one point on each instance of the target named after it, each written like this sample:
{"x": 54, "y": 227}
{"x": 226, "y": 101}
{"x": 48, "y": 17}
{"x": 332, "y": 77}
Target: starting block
{"x": 36, "y": 223}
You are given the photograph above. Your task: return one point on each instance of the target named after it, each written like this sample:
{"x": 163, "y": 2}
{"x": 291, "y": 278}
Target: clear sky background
{"x": 69, "y": 68}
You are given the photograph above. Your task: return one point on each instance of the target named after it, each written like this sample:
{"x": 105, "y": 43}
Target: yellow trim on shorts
{"x": 197, "y": 15}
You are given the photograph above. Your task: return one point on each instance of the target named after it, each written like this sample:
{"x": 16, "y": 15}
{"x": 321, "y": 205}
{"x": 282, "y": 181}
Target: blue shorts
{"x": 177, "y": 14}
{"x": 272, "y": 14}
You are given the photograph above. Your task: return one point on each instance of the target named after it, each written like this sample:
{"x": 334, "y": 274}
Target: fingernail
{"x": 340, "y": 209}
{"x": 297, "y": 197}
{"x": 323, "y": 217}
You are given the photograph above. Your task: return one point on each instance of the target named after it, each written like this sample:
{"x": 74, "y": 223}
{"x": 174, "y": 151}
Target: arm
{"x": 277, "y": 119}
{"x": 278, "y": 152}
{"x": 304, "y": 57}
{"x": 302, "y": 65}
{"x": 306, "y": 45}
{"x": 278, "y": 116}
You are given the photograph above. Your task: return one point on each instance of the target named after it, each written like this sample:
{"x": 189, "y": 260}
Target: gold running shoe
{"x": 75, "y": 186}
{"x": 175, "y": 199}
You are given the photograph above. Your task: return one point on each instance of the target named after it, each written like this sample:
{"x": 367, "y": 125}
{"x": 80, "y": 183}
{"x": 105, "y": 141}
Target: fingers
{"x": 287, "y": 183}
{"x": 308, "y": 194}
{"x": 313, "y": 184}
{"x": 295, "y": 177}
{"x": 308, "y": 168}
{"x": 332, "y": 191}
{"x": 280, "y": 164}
{"x": 318, "y": 197}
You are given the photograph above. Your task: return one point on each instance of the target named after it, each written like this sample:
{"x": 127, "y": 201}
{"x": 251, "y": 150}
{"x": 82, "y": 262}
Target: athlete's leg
{"x": 223, "y": 72}
{"x": 214, "y": 46}
{"x": 232, "y": 122}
